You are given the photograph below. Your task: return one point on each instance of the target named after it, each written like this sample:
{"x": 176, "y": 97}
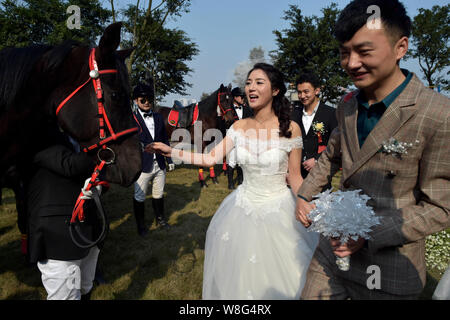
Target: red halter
{"x": 224, "y": 111}
{"x": 94, "y": 76}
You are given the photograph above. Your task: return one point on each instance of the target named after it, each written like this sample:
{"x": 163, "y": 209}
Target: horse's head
{"x": 225, "y": 102}
{"x": 93, "y": 106}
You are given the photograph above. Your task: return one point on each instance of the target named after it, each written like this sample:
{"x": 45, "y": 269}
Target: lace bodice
{"x": 264, "y": 163}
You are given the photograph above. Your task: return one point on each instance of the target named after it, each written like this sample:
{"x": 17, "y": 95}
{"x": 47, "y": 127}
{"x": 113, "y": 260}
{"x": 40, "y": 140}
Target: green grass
{"x": 164, "y": 265}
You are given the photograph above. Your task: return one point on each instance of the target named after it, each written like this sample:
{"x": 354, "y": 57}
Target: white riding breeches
{"x": 158, "y": 179}
{"x": 68, "y": 280}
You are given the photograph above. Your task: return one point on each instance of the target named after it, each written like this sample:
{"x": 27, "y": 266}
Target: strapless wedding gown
{"x": 255, "y": 248}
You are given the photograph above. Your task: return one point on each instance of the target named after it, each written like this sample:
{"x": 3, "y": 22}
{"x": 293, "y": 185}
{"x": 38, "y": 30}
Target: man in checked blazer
{"x": 409, "y": 191}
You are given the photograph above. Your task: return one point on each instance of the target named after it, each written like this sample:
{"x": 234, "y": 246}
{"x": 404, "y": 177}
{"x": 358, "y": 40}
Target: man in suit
{"x": 408, "y": 188}
{"x": 241, "y": 111}
{"x": 152, "y": 129}
{"x": 316, "y": 120}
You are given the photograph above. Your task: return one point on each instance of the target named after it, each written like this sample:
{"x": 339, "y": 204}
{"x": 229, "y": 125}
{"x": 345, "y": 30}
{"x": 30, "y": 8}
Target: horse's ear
{"x": 110, "y": 39}
{"x": 229, "y": 86}
{"x": 221, "y": 87}
{"x": 123, "y": 54}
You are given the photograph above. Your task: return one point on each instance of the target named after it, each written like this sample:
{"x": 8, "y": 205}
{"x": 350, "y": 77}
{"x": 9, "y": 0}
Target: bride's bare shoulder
{"x": 295, "y": 129}
{"x": 241, "y": 124}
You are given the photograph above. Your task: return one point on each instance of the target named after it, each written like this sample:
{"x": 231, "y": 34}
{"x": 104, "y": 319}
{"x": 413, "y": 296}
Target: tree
{"x": 155, "y": 15}
{"x": 430, "y": 44}
{"x": 160, "y": 53}
{"x": 309, "y": 46}
{"x": 256, "y": 55}
{"x": 23, "y": 23}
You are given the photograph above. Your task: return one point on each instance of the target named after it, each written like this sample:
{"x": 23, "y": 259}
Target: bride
{"x": 255, "y": 248}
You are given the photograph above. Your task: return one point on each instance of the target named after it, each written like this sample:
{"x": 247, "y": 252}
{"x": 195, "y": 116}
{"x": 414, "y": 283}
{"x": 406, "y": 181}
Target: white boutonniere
{"x": 396, "y": 148}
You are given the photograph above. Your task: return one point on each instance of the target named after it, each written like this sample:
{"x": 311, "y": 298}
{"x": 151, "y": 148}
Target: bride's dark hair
{"x": 280, "y": 103}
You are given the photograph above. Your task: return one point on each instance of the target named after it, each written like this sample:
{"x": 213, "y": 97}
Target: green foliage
{"x": 28, "y": 22}
{"x": 309, "y": 46}
{"x": 161, "y": 53}
{"x": 430, "y": 44}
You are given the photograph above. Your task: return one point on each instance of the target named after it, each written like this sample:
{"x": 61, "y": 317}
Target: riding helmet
{"x": 143, "y": 90}
{"x": 237, "y": 92}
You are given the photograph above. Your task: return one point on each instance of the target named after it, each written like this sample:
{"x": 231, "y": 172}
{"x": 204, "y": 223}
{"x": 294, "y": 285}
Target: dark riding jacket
{"x": 57, "y": 176}
{"x": 146, "y": 138}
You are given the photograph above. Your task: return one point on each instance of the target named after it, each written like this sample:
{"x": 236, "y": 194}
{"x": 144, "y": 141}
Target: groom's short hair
{"x": 354, "y": 16}
{"x": 310, "y": 78}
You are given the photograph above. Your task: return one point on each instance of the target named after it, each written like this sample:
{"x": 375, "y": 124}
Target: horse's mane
{"x": 17, "y": 65}
{"x": 209, "y": 104}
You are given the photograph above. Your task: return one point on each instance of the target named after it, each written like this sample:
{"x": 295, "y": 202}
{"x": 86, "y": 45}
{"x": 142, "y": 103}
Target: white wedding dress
{"x": 255, "y": 248}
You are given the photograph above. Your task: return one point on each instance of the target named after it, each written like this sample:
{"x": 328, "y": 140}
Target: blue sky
{"x": 226, "y": 30}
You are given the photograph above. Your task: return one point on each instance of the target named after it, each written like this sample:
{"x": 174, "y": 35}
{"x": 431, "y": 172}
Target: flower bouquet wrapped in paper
{"x": 343, "y": 215}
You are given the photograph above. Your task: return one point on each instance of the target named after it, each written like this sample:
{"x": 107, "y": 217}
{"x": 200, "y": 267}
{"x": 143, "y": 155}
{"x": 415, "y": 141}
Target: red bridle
{"x": 224, "y": 111}
{"x": 94, "y": 76}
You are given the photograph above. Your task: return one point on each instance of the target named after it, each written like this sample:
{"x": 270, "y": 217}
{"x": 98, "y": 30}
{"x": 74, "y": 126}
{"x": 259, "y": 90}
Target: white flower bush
{"x": 437, "y": 251}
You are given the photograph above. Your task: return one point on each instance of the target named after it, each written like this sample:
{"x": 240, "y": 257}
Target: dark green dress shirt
{"x": 368, "y": 116}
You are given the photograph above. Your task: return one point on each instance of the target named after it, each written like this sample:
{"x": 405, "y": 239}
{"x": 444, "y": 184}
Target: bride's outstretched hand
{"x": 160, "y": 148}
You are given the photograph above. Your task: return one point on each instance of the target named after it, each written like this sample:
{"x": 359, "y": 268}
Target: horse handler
{"x": 152, "y": 129}
{"x": 54, "y": 181}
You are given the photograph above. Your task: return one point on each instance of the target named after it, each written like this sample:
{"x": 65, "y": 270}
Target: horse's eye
{"x": 115, "y": 95}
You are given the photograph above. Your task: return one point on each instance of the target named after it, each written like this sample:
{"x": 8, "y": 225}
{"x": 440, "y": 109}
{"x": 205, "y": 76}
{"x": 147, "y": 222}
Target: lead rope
{"x": 78, "y": 211}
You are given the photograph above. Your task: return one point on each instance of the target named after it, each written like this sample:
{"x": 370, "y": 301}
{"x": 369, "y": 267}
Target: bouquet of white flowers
{"x": 343, "y": 215}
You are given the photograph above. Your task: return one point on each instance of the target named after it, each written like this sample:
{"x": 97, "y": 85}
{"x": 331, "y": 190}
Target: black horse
{"x": 83, "y": 90}
{"x": 213, "y": 112}
{"x": 71, "y": 87}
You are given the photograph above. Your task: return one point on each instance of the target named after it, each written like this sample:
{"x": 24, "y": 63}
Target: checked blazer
{"x": 411, "y": 193}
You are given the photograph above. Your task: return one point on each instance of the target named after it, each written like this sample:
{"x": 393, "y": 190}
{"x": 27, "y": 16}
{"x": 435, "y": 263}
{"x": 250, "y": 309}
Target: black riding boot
{"x": 230, "y": 178}
{"x": 139, "y": 209}
{"x": 158, "y": 209}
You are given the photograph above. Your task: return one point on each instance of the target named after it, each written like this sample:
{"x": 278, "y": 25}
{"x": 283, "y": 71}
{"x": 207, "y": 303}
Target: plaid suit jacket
{"x": 411, "y": 194}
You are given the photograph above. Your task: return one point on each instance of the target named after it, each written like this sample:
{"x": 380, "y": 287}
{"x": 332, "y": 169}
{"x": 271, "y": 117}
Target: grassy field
{"x": 164, "y": 265}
